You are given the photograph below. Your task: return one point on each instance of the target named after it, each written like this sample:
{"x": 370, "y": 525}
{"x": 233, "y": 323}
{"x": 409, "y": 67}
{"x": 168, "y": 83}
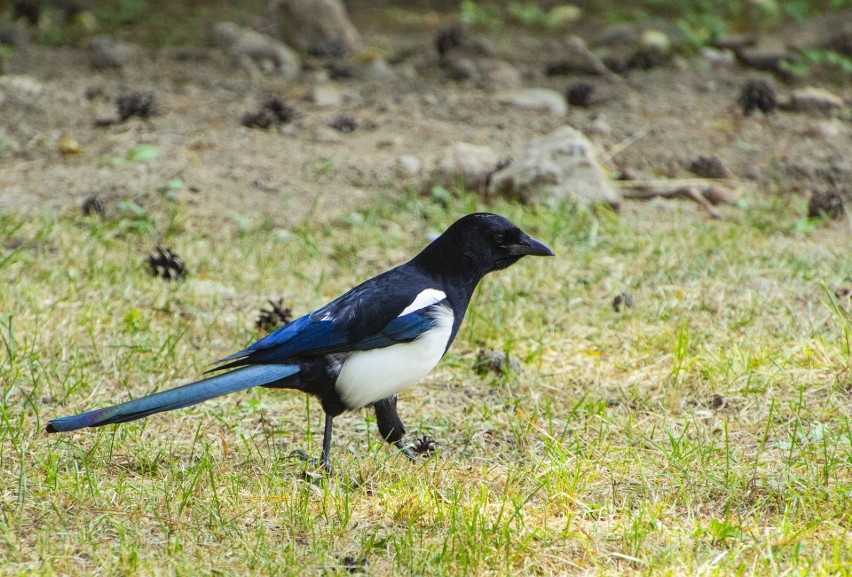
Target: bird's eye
{"x": 498, "y": 238}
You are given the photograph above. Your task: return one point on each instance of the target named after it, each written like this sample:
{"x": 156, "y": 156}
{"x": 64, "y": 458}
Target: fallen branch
{"x": 707, "y": 193}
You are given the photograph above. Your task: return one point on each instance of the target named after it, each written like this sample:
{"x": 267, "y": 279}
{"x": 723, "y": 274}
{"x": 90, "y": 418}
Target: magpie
{"x": 366, "y": 346}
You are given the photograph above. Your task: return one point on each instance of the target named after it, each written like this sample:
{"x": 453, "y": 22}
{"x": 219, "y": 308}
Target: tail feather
{"x": 184, "y": 396}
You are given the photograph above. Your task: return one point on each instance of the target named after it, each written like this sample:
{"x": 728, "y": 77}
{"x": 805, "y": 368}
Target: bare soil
{"x": 654, "y": 125}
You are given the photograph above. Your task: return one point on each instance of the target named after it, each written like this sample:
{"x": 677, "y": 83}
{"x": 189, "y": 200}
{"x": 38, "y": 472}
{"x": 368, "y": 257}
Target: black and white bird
{"x": 366, "y": 346}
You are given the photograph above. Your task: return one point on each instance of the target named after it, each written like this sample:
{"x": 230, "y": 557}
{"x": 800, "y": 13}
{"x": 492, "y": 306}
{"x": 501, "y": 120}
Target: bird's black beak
{"x": 528, "y": 246}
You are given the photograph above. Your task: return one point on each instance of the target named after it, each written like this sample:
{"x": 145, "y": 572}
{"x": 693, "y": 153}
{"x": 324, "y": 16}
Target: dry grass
{"x": 705, "y": 430}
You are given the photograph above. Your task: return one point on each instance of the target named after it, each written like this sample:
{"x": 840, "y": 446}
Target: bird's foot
{"x": 323, "y": 464}
{"x": 405, "y": 450}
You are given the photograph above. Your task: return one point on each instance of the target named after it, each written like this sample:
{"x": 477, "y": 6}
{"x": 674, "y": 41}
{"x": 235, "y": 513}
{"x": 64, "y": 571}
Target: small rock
{"x": 558, "y": 167}
{"x": 22, "y": 84}
{"x": 471, "y": 163}
{"x": 344, "y": 124}
{"x": 716, "y": 195}
{"x": 252, "y": 50}
{"x": 327, "y": 95}
{"x": 647, "y": 59}
{"x": 538, "y": 99}
{"x": 496, "y": 362}
{"x": 372, "y": 67}
{"x": 494, "y": 73}
{"x": 826, "y": 203}
{"x": 812, "y": 99}
{"x": 599, "y": 126}
{"x": 654, "y": 50}
{"x": 459, "y": 68}
{"x": 563, "y": 14}
{"x": 775, "y": 62}
{"x": 655, "y": 40}
{"x": 622, "y": 300}
{"x": 718, "y": 57}
{"x": 708, "y": 167}
{"x": 304, "y": 24}
{"x": 409, "y": 165}
{"x": 826, "y": 129}
{"x": 108, "y": 53}
{"x": 486, "y": 72}
{"x": 326, "y": 135}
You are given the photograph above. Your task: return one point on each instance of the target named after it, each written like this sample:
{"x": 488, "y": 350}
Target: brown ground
{"x": 658, "y": 122}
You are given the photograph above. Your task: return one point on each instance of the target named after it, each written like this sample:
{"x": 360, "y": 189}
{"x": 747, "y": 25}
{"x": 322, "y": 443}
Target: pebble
{"x": 539, "y": 99}
{"x": 813, "y": 99}
{"x": 409, "y": 165}
{"x": 327, "y": 95}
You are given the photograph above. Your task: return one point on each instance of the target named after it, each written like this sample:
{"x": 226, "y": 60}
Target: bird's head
{"x": 480, "y": 243}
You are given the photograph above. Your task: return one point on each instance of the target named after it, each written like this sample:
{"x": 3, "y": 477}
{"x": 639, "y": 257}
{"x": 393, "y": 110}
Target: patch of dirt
{"x": 655, "y": 125}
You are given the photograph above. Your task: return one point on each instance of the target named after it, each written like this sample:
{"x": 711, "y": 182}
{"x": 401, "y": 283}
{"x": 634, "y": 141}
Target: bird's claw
{"x": 324, "y": 464}
{"x": 405, "y": 450}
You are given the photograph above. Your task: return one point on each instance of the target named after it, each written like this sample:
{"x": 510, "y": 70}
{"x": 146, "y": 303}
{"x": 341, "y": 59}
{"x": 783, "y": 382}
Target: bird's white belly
{"x": 368, "y": 376}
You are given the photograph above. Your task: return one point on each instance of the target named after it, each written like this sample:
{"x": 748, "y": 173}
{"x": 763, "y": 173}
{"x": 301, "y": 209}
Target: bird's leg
{"x": 325, "y": 460}
{"x": 390, "y": 426}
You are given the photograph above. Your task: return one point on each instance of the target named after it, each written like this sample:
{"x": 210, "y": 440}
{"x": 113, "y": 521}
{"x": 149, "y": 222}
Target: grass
{"x": 704, "y": 431}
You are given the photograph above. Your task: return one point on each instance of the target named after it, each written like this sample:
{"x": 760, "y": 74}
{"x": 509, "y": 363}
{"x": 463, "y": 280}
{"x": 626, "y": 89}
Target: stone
{"x": 826, "y": 129}
{"x": 21, "y": 85}
{"x": 718, "y": 57}
{"x": 484, "y": 72}
{"x": 307, "y": 24}
{"x": 538, "y": 99}
{"x": 813, "y": 99}
{"x": 563, "y": 14}
{"x": 409, "y": 165}
{"x": 655, "y": 40}
{"x": 371, "y": 67}
{"x": 559, "y": 167}
{"x": 494, "y": 73}
{"x": 252, "y": 50}
{"x": 470, "y": 163}
{"x": 327, "y": 95}
{"x": 459, "y": 68}
{"x": 108, "y": 53}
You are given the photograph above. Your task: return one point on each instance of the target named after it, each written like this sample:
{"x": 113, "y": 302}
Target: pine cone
{"x": 141, "y": 104}
{"x": 165, "y": 264}
{"x": 425, "y": 446}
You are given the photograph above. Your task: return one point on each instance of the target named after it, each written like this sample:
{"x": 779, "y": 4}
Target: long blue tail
{"x": 184, "y": 396}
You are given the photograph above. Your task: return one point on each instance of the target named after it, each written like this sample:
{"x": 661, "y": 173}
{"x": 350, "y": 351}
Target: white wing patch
{"x": 426, "y": 298}
{"x": 368, "y": 376}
